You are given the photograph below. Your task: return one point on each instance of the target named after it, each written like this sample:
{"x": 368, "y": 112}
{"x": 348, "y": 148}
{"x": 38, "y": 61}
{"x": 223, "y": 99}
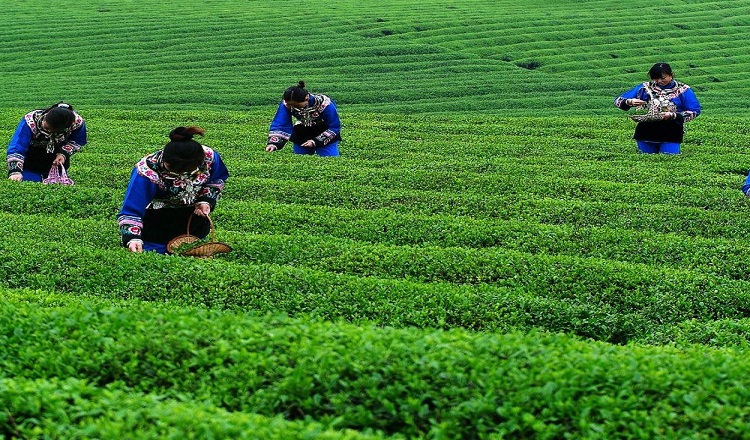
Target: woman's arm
{"x": 690, "y": 108}
{"x": 281, "y": 128}
{"x": 331, "y": 117}
{"x": 139, "y": 194}
{"x": 625, "y": 101}
{"x": 18, "y": 147}
{"x": 212, "y": 189}
{"x": 75, "y": 142}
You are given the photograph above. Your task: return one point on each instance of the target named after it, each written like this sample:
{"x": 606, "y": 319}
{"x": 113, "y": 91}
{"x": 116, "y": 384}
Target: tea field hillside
{"x": 530, "y": 56}
{"x": 489, "y": 257}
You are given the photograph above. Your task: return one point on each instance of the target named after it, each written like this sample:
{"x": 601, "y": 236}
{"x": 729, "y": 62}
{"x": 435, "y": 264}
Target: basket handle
{"x": 210, "y": 222}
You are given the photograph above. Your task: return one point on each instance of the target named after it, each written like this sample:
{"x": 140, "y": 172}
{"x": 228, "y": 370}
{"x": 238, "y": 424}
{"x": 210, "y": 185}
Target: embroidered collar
{"x": 309, "y": 115}
{"x": 34, "y": 121}
{"x": 671, "y": 91}
{"x": 180, "y": 190}
{"x": 152, "y": 168}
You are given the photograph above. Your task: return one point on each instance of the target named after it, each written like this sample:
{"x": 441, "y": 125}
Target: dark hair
{"x": 182, "y": 153}
{"x": 658, "y": 70}
{"x": 59, "y": 117}
{"x": 296, "y": 93}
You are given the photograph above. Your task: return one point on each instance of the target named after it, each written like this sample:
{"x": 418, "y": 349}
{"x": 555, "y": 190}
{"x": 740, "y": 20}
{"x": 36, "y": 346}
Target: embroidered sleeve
{"x": 281, "y": 127}
{"x": 620, "y": 102}
{"x": 15, "y": 164}
{"x": 325, "y": 138}
{"x": 636, "y": 92}
{"x": 18, "y": 147}
{"x": 70, "y": 149}
{"x": 130, "y": 228}
{"x": 278, "y": 138}
{"x": 139, "y": 194}
{"x": 210, "y": 193}
{"x": 687, "y": 116}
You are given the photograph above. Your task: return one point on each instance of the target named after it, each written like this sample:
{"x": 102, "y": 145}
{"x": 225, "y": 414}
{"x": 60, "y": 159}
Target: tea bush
{"x": 488, "y": 258}
{"x": 406, "y": 382}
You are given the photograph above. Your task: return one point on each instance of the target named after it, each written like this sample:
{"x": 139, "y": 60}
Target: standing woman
{"x": 671, "y": 104}
{"x": 44, "y": 138}
{"x": 167, "y": 188}
{"x": 317, "y": 130}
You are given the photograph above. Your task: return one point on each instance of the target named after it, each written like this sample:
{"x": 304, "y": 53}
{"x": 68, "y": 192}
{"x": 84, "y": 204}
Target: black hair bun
{"x": 185, "y": 133}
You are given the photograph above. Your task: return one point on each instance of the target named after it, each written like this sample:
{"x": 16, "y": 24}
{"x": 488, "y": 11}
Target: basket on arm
{"x": 181, "y": 245}
{"x": 654, "y": 110}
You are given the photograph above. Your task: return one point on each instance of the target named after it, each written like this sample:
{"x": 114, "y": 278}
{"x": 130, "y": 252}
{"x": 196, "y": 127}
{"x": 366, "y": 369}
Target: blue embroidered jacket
{"x": 149, "y": 188}
{"x": 33, "y": 149}
{"x": 319, "y": 121}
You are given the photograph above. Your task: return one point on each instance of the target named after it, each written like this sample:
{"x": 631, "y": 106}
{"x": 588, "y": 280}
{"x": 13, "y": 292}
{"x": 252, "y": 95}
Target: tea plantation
{"x": 490, "y": 257}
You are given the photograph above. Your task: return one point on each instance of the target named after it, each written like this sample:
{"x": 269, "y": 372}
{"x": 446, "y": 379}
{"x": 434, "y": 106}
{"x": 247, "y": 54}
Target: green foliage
{"x": 486, "y": 186}
{"x": 414, "y": 383}
{"x": 401, "y": 56}
{"x": 184, "y": 247}
{"x": 71, "y": 408}
{"x": 539, "y": 229}
{"x": 720, "y": 333}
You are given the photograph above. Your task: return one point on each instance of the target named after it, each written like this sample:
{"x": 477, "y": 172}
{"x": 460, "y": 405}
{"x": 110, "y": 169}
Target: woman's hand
{"x": 16, "y": 176}
{"x": 308, "y": 144}
{"x": 271, "y": 147}
{"x": 669, "y": 115}
{"x": 202, "y": 209}
{"x": 635, "y": 102}
{"x": 59, "y": 159}
{"x": 135, "y": 246}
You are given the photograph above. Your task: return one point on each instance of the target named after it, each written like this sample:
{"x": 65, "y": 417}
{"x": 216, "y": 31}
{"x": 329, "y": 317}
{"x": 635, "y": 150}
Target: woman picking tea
{"x": 178, "y": 184}
{"x": 670, "y": 105}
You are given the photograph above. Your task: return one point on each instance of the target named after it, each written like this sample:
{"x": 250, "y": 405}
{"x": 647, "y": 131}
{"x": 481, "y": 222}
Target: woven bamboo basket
{"x": 654, "y": 110}
{"x": 203, "y": 250}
